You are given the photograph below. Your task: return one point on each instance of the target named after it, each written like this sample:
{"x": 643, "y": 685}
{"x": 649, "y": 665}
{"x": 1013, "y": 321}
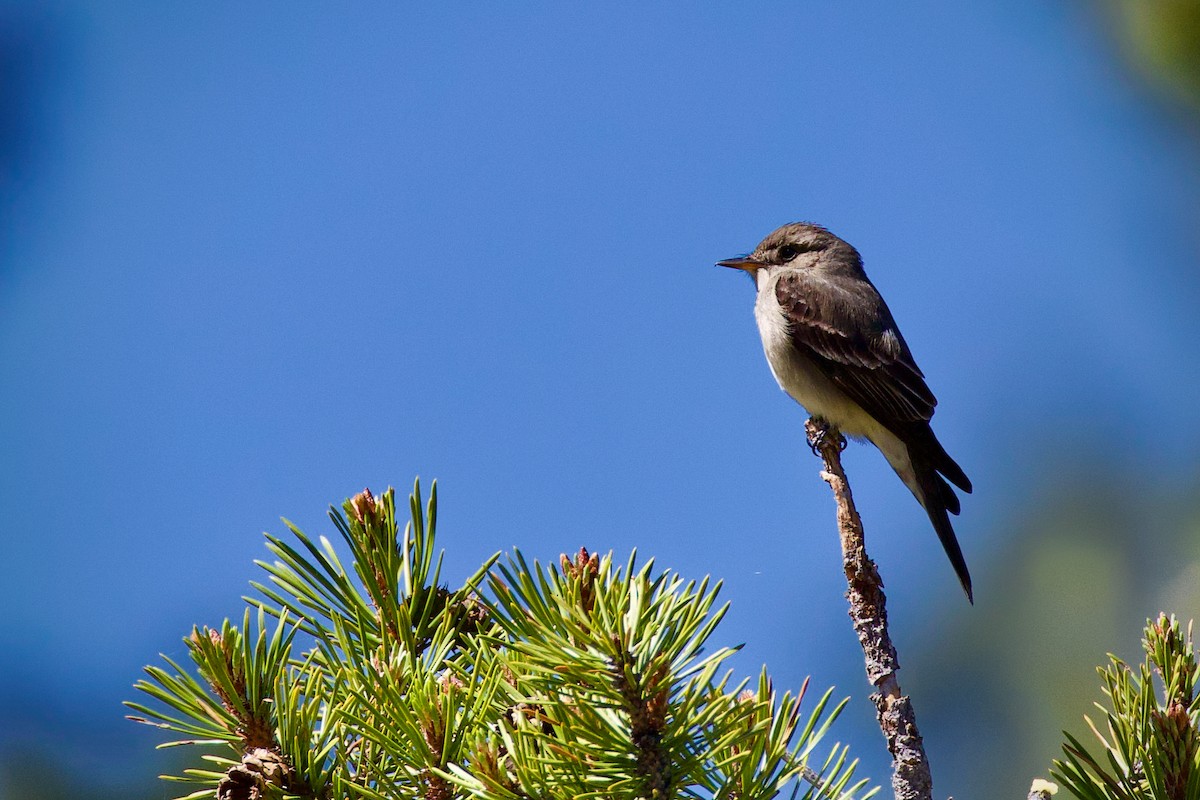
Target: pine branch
{"x": 580, "y": 681}
{"x": 911, "y": 778}
{"x": 1149, "y": 745}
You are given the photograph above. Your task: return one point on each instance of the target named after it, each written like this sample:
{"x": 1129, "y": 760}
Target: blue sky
{"x": 258, "y": 258}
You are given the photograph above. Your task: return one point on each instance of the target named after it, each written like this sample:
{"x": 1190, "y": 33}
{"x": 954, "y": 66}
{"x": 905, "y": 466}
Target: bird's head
{"x": 798, "y": 245}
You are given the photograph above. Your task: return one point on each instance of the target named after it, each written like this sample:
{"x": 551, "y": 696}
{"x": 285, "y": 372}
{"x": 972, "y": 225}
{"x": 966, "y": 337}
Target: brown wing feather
{"x": 857, "y": 346}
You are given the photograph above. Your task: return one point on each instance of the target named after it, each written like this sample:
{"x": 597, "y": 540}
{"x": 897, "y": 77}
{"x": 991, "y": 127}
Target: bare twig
{"x": 911, "y": 779}
{"x": 1042, "y": 790}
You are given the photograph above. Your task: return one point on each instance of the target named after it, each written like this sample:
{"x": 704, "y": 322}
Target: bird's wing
{"x": 850, "y": 335}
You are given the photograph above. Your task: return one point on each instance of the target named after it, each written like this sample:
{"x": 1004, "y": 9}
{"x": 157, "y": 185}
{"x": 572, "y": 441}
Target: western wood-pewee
{"x": 833, "y": 346}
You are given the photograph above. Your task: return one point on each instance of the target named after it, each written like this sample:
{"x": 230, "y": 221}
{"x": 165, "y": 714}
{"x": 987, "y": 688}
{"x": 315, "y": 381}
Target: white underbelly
{"x": 807, "y": 385}
{"x": 796, "y": 373}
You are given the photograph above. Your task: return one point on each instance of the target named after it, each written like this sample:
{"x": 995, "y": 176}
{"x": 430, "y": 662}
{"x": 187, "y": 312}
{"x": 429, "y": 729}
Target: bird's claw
{"x": 820, "y": 433}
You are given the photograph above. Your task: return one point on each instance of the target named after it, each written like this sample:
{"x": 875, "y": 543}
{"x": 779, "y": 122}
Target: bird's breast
{"x": 797, "y": 373}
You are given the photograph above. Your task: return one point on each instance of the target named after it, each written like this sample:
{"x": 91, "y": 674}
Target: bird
{"x": 834, "y": 347}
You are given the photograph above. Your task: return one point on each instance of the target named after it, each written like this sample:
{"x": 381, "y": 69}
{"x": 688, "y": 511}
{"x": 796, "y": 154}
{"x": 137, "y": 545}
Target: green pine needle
{"x": 365, "y": 677}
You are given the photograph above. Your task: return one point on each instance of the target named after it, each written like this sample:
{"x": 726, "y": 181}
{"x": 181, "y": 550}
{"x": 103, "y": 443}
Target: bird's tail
{"x": 939, "y": 508}
{"x": 930, "y": 463}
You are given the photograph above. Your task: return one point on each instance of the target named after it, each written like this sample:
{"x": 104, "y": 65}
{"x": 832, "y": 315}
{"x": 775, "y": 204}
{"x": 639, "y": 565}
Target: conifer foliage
{"x": 366, "y": 678}
{"x": 1149, "y": 743}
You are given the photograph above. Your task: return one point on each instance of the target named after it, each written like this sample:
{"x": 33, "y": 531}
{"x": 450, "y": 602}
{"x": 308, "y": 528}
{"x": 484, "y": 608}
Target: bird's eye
{"x": 790, "y": 250}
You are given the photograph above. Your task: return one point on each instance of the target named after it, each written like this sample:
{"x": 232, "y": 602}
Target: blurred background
{"x": 253, "y": 259}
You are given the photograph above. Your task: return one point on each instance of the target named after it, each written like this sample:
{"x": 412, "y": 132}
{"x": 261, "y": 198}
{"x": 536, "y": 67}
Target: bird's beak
{"x": 742, "y": 262}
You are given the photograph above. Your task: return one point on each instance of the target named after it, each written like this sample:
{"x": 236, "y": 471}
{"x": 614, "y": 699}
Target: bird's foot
{"x": 821, "y": 433}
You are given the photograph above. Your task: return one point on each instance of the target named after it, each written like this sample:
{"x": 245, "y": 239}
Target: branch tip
{"x": 911, "y": 778}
